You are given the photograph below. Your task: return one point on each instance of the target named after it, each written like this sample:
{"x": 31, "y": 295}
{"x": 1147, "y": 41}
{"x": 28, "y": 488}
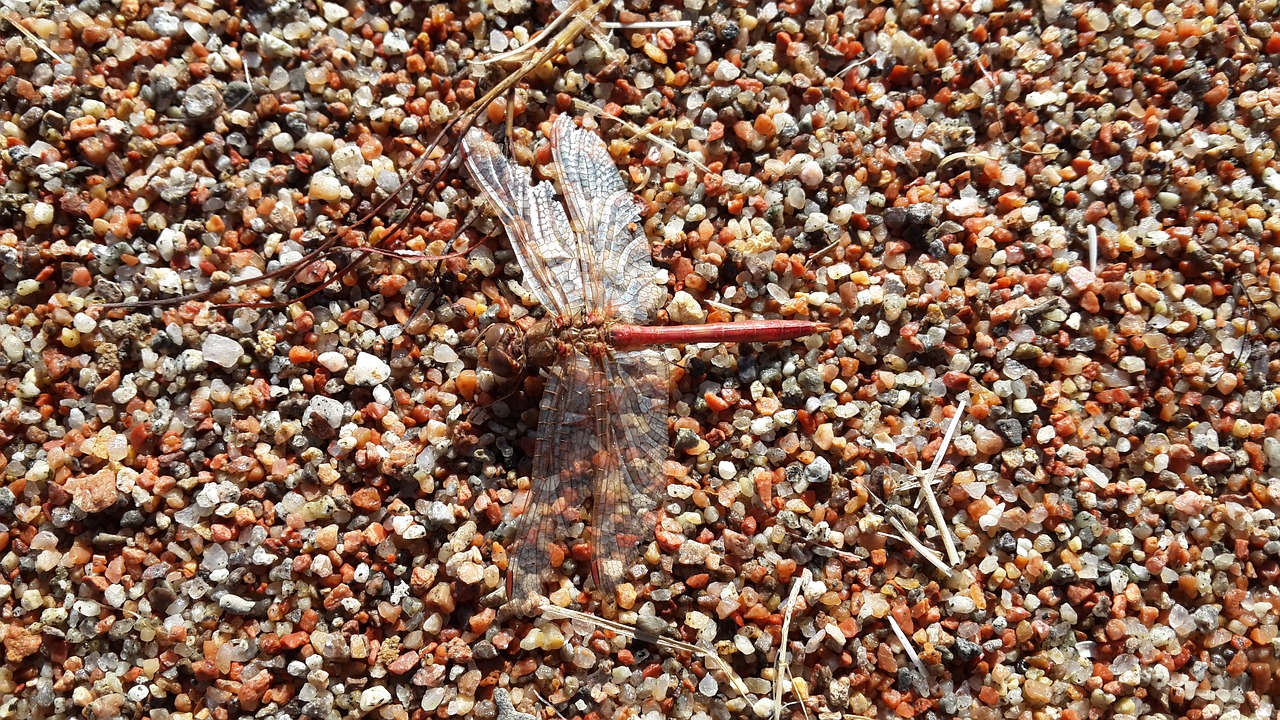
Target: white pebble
{"x": 369, "y": 370}
{"x": 374, "y": 697}
{"x": 333, "y": 361}
{"x": 325, "y": 188}
{"x": 328, "y": 409}
{"x": 40, "y": 213}
{"x": 684, "y": 309}
{"x": 221, "y": 350}
{"x": 811, "y": 174}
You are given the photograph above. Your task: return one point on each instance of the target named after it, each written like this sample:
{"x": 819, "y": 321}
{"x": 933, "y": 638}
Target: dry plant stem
{"x": 803, "y": 710}
{"x": 781, "y": 662}
{"x": 926, "y": 488}
{"x": 907, "y": 646}
{"x": 1093, "y": 249}
{"x": 34, "y": 39}
{"x": 553, "y": 612}
{"x": 920, "y": 547}
{"x": 639, "y": 132}
{"x": 965, "y": 156}
{"x": 537, "y": 38}
{"x": 648, "y": 25}
{"x": 548, "y": 704}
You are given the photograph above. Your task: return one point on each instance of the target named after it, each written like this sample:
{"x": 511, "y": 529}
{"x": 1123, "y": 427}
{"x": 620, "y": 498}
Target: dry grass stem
{"x": 907, "y": 646}
{"x": 780, "y": 662}
{"x": 920, "y": 547}
{"x": 926, "y": 488}
{"x": 1093, "y": 249}
{"x": 34, "y": 39}
{"x": 639, "y": 132}
{"x": 649, "y": 25}
{"x": 532, "y": 42}
{"x": 554, "y": 612}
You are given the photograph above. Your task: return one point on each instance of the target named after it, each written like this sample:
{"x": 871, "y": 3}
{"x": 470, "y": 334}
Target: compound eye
{"x": 500, "y": 350}
{"x": 501, "y": 363}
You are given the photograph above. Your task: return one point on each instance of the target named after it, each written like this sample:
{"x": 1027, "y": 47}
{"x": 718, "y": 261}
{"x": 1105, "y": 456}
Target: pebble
{"x": 368, "y": 371}
{"x": 684, "y": 309}
{"x": 374, "y": 697}
{"x": 331, "y": 412}
{"x": 221, "y": 350}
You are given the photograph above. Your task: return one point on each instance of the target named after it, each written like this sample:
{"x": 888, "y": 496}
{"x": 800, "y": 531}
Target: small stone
{"x": 818, "y": 471}
{"x": 366, "y": 499}
{"x": 327, "y": 410}
{"x": 684, "y": 309}
{"x": 369, "y": 370}
{"x": 221, "y": 350}
{"x": 332, "y": 361}
{"x": 1216, "y": 462}
{"x": 374, "y": 697}
{"x": 811, "y": 174}
{"x": 327, "y": 538}
{"x": 325, "y": 187}
{"x": 404, "y": 663}
{"x": 20, "y": 643}
{"x": 470, "y": 573}
{"x": 236, "y": 605}
{"x": 94, "y": 493}
{"x": 1080, "y": 277}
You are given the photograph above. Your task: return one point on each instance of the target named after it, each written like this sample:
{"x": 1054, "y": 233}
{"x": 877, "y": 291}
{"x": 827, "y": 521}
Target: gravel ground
{"x": 1054, "y": 223}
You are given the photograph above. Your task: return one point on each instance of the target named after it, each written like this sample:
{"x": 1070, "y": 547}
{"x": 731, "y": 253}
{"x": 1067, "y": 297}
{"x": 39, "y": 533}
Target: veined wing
{"x": 602, "y": 431}
{"x": 632, "y": 442}
{"x": 535, "y": 222}
{"x": 604, "y": 215}
{"x": 563, "y": 473}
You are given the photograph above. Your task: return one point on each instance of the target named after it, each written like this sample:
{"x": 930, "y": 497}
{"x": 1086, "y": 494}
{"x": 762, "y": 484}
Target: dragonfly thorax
{"x": 553, "y": 337}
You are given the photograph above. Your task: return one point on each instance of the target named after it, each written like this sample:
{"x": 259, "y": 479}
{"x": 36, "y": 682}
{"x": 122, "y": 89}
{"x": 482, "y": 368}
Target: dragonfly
{"x": 602, "y": 436}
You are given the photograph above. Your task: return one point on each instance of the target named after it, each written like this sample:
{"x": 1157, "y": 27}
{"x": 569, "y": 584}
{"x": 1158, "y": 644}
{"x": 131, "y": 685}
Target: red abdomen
{"x": 735, "y": 332}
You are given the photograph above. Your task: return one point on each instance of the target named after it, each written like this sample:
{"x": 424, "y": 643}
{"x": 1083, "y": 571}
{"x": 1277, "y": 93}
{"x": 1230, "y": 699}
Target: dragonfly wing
{"x": 606, "y": 218}
{"x": 632, "y": 436}
{"x": 535, "y": 222}
{"x": 562, "y": 473}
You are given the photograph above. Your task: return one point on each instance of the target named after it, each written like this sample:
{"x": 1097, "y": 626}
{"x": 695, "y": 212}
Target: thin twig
{"x": 907, "y": 646}
{"x": 799, "y": 700}
{"x": 547, "y": 702}
{"x": 555, "y": 612}
{"x": 966, "y": 156}
{"x": 35, "y": 39}
{"x": 647, "y": 25}
{"x": 920, "y": 547}
{"x": 1093, "y": 249}
{"x": 854, "y": 64}
{"x": 779, "y": 663}
{"x": 533, "y": 41}
{"x": 640, "y": 132}
{"x": 926, "y": 488}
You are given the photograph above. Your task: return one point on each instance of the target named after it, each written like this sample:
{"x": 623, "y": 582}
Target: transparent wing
{"x": 604, "y": 214}
{"x": 563, "y": 473}
{"x": 535, "y": 222}
{"x": 633, "y": 443}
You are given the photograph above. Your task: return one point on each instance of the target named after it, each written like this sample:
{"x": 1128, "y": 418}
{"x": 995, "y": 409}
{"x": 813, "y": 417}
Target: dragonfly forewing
{"x": 608, "y": 219}
{"x": 536, "y": 224}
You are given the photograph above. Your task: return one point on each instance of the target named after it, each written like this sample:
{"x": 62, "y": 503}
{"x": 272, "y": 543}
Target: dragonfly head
{"x": 540, "y": 343}
{"x": 501, "y": 350}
